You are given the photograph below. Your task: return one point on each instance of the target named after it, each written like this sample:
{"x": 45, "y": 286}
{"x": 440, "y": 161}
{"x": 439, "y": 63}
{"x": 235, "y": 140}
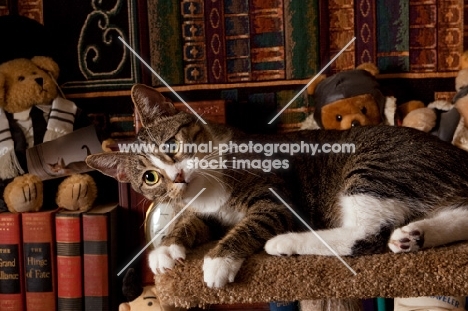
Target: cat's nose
{"x": 179, "y": 178}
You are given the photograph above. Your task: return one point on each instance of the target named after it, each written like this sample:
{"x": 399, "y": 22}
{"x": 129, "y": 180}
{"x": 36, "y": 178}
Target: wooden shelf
{"x": 222, "y": 86}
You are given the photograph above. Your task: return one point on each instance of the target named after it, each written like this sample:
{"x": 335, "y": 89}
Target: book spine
{"x": 301, "y": 34}
{"x": 296, "y": 113}
{"x": 341, "y": 31}
{"x": 96, "y": 262}
{"x": 211, "y": 110}
{"x": 324, "y": 34}
{"x": 465, "y": 25}
{"x": 32, "y": 9}
{"x": 237, "y": 40}
{"x": 450, "y": 34}
{"x": 284, "y": 306}
{"x": 11, "y": 269}
{"x": 39, "y": 260}
{"x": 194, "y": 47}
{"x": 267, "y": 40}
{"x": 393, "y": 35}
{"x": 366, "y": 46}
{"x": 69, "y": 261}
{"x": 214, "y": 32}
{"x": 166, "y": 41}
{"x": 423, "y": 35}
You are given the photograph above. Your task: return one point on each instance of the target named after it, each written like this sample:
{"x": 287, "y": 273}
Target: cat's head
{"x": 158, "y": 166}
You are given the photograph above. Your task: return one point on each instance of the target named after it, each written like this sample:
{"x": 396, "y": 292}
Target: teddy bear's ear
{"x": 311, "y": 88}
{"x": 369, "y": 67}
{"x": 47, "y": 64}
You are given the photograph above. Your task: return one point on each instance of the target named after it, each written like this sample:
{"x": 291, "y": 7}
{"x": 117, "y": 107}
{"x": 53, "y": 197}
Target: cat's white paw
{"x": 406, "y": 239}
{"x": 218, "y": 271}
{"x": 164, "y": 258}
{"x": 282, "y": 245}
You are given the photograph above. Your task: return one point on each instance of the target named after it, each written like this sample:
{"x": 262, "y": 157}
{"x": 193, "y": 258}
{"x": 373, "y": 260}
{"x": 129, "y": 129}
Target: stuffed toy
{"x": 349, "y": 98}
{"x": 140, "y": 298}
{"x": 353, "y": 98}
{"x": 460, "y": 101}
{"x": 446, "y": 120}
{"x": 31, "y": 112}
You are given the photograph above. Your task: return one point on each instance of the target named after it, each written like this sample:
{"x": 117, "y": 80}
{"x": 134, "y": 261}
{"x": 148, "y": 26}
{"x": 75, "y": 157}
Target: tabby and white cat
{"x": 401, "y": 188}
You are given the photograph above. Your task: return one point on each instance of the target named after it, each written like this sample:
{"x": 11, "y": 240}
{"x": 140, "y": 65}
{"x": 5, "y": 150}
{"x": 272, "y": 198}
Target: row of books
{"x": 58, "y": 260}
{"x": 232, "y": 41}
{"x": 223, "y": 41}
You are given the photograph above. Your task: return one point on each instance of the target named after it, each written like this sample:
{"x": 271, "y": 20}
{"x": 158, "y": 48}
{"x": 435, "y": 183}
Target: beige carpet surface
{"x": 264, "y": 278}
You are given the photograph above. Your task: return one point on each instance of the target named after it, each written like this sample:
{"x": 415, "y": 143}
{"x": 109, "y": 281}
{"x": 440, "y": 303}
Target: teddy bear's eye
{"x": 34, "y": 73}
{"x": 364, "y": 110}
{"x": 339, "y": 117}
{"x": 20, "y": 78}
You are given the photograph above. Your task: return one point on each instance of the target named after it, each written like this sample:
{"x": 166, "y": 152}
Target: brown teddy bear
{"x": 31, "y": 112}
{"x": 353, "y": 98}
{"x": 349, "y": 98}
{"x": 141, "y": 298}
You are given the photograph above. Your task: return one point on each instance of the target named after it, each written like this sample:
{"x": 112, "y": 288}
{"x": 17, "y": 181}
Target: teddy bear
{"x": 352, "y": 98}
{"x": 32, "y": 112}
{"x": 141, "y": 298}
{"x": 349, "y": 98}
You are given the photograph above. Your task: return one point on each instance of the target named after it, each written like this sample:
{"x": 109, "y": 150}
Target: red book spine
{"x": 69, "y": 261}
{"x": 366, "y": 47}
{"x": 450, "y": 34}
{"x": 214, "y": 32}
{"x": 11, "y": 263}
{"x": 96, "y": 262}
{"x": 39, "y": 260}
{"x": 423, "y": 35}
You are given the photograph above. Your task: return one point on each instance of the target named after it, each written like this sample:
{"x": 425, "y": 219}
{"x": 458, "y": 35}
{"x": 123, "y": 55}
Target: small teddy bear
{"x": 31, "y": 112}
{"x": 141, "y": 298}
{"x": 349, "y": 98}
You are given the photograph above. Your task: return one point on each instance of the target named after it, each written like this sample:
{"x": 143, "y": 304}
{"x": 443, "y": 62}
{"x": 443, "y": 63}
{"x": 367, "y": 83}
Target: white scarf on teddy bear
{"x": 60, "y": 118}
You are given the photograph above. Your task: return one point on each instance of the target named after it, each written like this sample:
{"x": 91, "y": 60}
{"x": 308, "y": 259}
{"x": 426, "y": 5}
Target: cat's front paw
{"x": 164, "y": 258}
{"x": 409, "y": 238}
{"x": 282, "y": 245}
{"x": 218, "y": 271}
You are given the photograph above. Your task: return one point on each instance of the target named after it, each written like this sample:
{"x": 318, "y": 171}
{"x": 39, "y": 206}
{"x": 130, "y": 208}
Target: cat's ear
{"x": 113, "y": 164}
{"x": 150, "y": 104}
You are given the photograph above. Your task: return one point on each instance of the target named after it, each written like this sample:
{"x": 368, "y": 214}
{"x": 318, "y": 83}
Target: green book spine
{"x": 166, "y": 42}
{"x": 296, "y": 113}
{"x": 393, "y": 35}
{"x": 237, "y": 43}
{"x": 301, "y": 34}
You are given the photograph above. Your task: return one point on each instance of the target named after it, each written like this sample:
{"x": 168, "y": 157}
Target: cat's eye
{"x": 364, "y": 110}
{"x": 339, "y": 117}
{"x": 171, "y": 146}
{"x": 151, "y": 177}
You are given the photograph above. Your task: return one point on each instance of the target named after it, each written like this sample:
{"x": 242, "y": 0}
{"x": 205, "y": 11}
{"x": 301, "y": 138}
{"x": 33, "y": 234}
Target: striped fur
{"x": 397, "y": 189}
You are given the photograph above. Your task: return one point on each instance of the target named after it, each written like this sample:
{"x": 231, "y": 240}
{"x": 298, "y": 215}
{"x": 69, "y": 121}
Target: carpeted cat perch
{"x": 264, "y": 278}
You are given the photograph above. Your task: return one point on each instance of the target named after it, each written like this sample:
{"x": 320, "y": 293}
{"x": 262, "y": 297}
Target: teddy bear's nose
{"x": 39, "y": 81}
{"x": 355, "y": 123}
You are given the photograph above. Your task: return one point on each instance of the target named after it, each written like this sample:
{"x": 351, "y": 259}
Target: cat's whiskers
{"x": 218, "y": 180}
